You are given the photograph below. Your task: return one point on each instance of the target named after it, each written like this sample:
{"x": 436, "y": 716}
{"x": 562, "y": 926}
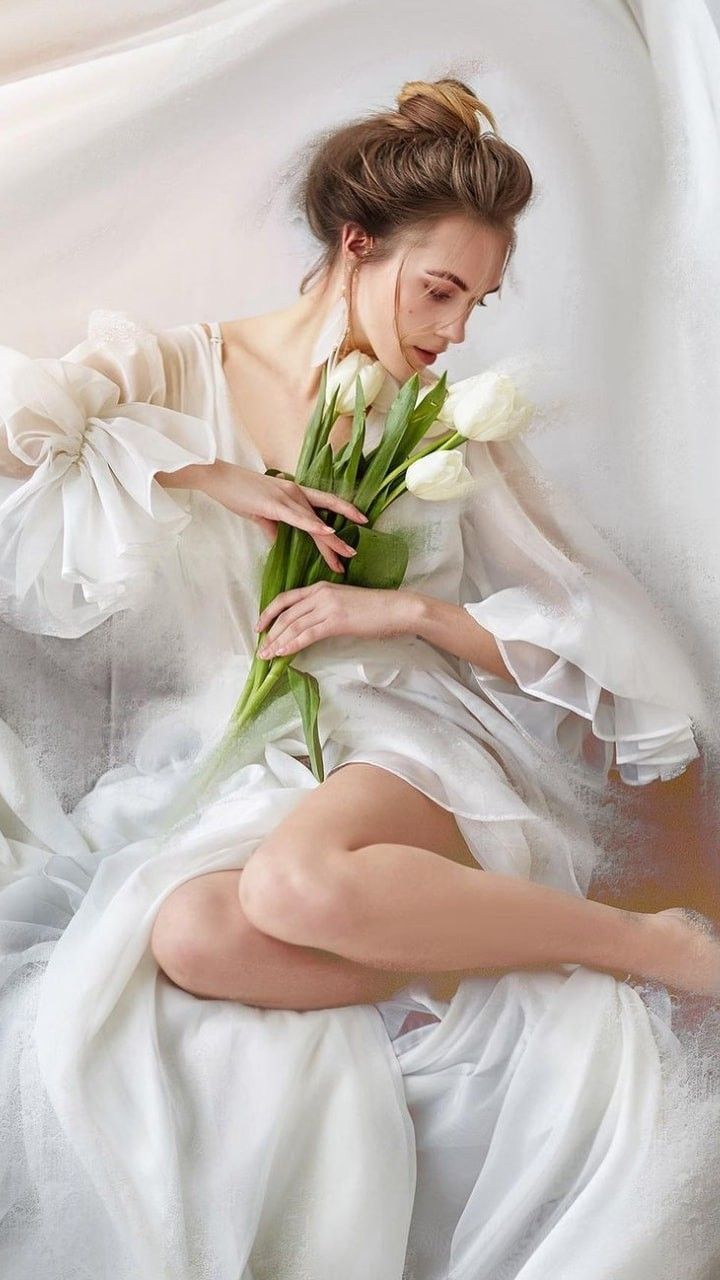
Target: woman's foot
{"x": 681, "y": 950}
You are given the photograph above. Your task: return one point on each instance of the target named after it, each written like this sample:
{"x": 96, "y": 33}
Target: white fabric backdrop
{"x": 146, "y": 152}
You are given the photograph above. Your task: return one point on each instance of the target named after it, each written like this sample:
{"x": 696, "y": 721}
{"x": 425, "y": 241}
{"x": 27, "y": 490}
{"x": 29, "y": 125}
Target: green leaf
{"x": 306, "y": 692}
{"x": 346, "y": 480}
{"x": 420, "y": 420}
{"x": 381, "y": 559}
{"x": 389, "y": 452}
{"x": 313, "y": 431}
{"x": 319, "y": 437}
{"x": 273, "y": 578}
{"x": 301, "y": 546}
{"x": 348, "y": 460}
{"x": 427, "y": 409}
{"x": 322, "y": 470}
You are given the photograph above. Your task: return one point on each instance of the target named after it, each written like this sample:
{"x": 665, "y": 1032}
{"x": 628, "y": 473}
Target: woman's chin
{"x": 404, "y": 367}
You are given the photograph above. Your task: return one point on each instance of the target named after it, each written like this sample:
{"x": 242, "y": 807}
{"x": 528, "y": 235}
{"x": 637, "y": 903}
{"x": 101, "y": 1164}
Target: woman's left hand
{"x": 306, "y": 614}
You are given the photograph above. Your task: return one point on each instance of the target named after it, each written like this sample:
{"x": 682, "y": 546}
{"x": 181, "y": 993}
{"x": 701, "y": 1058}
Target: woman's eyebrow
{"x": 450, "y": 275}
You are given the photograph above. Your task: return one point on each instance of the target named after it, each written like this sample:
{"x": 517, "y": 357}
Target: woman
{"x": 210, "y": 1021}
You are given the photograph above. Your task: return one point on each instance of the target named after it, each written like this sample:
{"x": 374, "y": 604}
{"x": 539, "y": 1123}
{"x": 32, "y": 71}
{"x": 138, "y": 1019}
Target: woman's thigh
{"x": 360, "y": 804}
{"x": 357, "y": 804}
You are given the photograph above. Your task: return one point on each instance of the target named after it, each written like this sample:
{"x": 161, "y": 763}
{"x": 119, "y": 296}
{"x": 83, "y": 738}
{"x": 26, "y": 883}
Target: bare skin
{"x": 345, "y": 903}
{"x": 368, "y": 883}
{"x": 204, "y": 941}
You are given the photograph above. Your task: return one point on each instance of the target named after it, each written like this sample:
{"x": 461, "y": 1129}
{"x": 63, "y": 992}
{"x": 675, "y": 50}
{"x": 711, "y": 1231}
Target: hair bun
{"x": 442, "y": 106}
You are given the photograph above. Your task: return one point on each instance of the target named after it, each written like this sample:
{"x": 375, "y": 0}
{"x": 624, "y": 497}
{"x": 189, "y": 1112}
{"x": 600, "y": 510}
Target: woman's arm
{"x": 450, "y": 627}
{"x": 303, "y": 615}
{"x": 268, "y": 500}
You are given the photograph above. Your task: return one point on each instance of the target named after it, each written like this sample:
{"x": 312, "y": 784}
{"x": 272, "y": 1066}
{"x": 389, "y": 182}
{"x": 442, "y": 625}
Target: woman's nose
{"x": 454, "y": 330}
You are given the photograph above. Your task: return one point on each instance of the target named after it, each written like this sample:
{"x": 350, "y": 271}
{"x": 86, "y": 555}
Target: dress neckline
{"x": 216, "y": 341}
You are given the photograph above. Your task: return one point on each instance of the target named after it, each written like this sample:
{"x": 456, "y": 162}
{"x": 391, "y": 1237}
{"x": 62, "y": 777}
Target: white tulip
{"x": 455, "y": 392}
{"x": 439, "y": 475}
{"x": 491, "y": 408}
{"x": 372, "y": 377}
{"x": 486, "y": 406}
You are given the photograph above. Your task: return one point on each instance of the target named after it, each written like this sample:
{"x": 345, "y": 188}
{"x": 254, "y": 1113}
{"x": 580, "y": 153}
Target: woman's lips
{"x": 426, "y": 357}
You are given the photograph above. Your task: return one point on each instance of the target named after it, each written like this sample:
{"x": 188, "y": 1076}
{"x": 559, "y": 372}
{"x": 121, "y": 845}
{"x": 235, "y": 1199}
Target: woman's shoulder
{"x": 124, "y": 332}
{"x": 150, "y": 361}
{"x": 188, "y": 363}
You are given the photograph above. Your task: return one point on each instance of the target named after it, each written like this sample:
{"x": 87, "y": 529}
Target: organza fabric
{"x": 151, "y": 1133}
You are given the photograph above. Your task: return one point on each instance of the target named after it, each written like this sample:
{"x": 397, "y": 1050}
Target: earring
{"x": 347, "y": 343}
{"x": 336, "y": 332}
{"x": 332, "y": 333}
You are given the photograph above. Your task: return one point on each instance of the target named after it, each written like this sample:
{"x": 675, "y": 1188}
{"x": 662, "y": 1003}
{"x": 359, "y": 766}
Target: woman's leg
{"x": 205, "y": 944}
{"x": 353, "y": 870}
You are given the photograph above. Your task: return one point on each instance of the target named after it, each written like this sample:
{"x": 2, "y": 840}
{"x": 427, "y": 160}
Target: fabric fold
{"x": 596, "y": 676}
{"x": 81, "y": 535}
{"x": 644, "y": 741}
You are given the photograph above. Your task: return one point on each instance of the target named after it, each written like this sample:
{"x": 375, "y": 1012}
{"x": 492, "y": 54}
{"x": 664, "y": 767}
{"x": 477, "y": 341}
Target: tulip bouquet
{"x": 484, "y": 407}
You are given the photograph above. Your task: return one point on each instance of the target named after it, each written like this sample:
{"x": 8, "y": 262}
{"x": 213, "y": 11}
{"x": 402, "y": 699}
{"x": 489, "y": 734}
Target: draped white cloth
{"x": 146, "y": 1133}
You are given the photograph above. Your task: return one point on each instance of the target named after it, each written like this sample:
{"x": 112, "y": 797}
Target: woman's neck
{"x": 286, "y": 338}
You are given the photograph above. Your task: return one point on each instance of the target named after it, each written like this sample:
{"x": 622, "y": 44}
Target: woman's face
{"x": 438, "y": 274}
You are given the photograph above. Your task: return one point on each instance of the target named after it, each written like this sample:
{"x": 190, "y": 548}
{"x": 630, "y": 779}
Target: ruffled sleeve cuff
{"x": 557, "y": 703}
{"x": 79, "y": 536}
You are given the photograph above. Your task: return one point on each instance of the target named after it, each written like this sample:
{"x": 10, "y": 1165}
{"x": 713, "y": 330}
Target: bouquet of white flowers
{"x": 484, "y": 407}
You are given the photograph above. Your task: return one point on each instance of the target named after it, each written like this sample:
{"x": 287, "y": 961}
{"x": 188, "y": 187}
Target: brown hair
{"x": 394, "y": 169}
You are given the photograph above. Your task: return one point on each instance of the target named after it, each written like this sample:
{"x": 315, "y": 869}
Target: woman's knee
{"x": 292, "y": 894}
{"x": 196, "y": 920}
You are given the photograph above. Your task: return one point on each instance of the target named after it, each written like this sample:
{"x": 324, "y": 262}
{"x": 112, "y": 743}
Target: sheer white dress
{"x": 149, "y": 1133}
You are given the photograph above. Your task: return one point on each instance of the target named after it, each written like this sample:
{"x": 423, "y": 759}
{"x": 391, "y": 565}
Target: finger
{"x": 333, "y": 502}
{"x": 323, "y": 535}
{"x": 322, "y": 538}
{"x": 335, "y": 542}
{"x": 304, "y": 518}
{"x": 283, "y": 600}
{"x": 280, "y": 631}
{"x": 329, "y": 555}
{"x": 327, "y": 531}
{"x": 308, "y": 636}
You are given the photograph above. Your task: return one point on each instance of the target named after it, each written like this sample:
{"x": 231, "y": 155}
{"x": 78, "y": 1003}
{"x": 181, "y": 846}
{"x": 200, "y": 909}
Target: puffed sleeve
{"x": 597, "y": 675}
{"x": 83, "y": 520}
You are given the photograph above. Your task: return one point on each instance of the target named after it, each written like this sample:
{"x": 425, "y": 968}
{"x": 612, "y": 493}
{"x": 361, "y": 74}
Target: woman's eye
{"x": 445, "y": 297}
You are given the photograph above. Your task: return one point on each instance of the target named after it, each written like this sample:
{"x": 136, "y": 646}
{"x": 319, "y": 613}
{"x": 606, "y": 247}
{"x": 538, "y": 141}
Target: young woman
{"x": 211, "y": 1082}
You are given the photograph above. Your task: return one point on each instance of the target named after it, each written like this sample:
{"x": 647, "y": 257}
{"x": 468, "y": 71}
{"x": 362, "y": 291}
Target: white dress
{"x": 152, "y": 1135}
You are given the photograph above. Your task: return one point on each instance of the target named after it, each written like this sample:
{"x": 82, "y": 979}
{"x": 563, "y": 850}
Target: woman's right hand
{"x": 270, "y": 499}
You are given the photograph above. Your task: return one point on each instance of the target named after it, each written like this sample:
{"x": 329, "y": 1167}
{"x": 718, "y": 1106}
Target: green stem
{"x": 250, "y": 705}
{"x": 251, "y": 699}
{"x": 448, "y": 443}
{"x": 381, "y": 500}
